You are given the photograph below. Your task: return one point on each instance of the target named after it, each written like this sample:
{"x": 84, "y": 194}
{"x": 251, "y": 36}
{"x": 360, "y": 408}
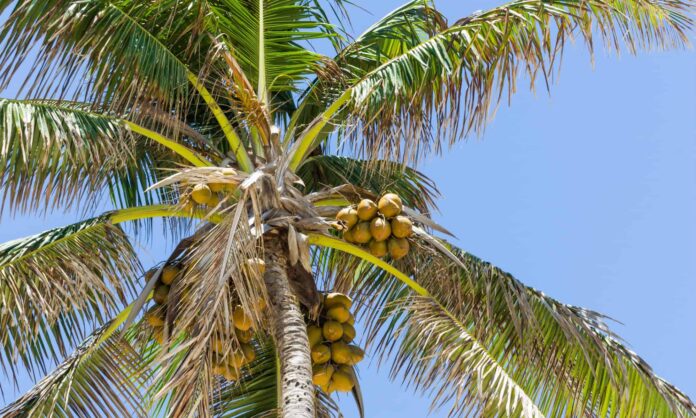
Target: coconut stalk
{"x": 297, "y": 396}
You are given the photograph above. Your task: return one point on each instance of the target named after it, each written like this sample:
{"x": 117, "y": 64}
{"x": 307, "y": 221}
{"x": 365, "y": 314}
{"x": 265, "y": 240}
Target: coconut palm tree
{"x": 217, "y": 117}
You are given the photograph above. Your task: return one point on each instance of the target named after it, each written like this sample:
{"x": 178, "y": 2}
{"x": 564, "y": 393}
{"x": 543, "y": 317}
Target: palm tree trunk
{"x": 297, "y": 392}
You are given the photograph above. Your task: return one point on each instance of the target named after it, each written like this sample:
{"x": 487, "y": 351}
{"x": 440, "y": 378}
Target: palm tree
{"x": 151, "y": 105}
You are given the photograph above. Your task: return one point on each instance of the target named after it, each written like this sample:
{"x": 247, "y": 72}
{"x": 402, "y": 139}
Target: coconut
{"x": 148, "y": 276}
{"x": 337, "y": 299}
{"x": 367, "y": 209}
{"x": 356, "y": 355}
{"x": 332, "y": 330}
{"x": 249, "y": 352}
{"x": 244, "y": 336}
{"x": 201, "y": 194}
{"x": 321, "y": 374}
{"x": 241, "y": 320}
{"x": 216, "y": 187}
{"x": 348, "y": 333}
{"x": 378, "y": 248}
{"x": 321, "y": 354}
{"x": 213, "y": 201}
{"x": 161, "y": 294}
{"x": 256, "y": 265}
{"x": 158, "y": 335}
{"x": 236, "y": 359}
{"x": 390, "y": 205}
{"x": 154, "y": 317}
{"x": 361, "y": 233}
{"x": 348, "y": 216}
{"x": 225, "y": 371}
{"x": 217, "y": 345}
{"x": 351, "y": 320}
{"x": 401, "y": 227}
{"x": 342, "y": 381}
{"x": 380, "y": 229}
{"x": 348, "y": 236}
{"x": 398, "y": 247}
{"x": 339, "y": 313}
{"x": 314, "y": 334}
{"x": 341, "y": 353}
{"x": 169, "y": 273}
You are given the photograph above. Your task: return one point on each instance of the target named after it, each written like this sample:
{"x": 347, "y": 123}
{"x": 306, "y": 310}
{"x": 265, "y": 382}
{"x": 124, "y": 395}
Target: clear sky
{"x": 588, "y": 194}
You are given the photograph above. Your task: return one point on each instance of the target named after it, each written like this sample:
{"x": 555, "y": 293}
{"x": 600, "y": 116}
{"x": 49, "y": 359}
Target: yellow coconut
{"x": 148, "y": 276}
{"x": 332, "y": 330}
{"x": 244, "y": 336}
{"x": 351, "y": 320}
{"x": 367, "y": 209}
{"x": 380, "y": 229}
{"x": 169, "y": 273}
{"x": 321, "y": 374}
{"x": 255, "y": 266}
{"x": 348, "y": 216}
{"x": 361, "y": 233}
{"x": 236, "y": 359}
{"x": 348, "y": 333}
{"x": 158, "y": 335}
{"x": 378, "y": 248}
{"x": 337, "y": 299}
{"x": 327, "y": 389}
{"x": 390, "y": 205}
{"x": 201, "y": 194}
{"x": 342, "y": 381}
{"x": 154, "y": 317}
{"x": 401, "y": 227}
{"x": 321, "y": 354}
{"x": 213, "y": 201}
{"x": 248, "y": 352}
{"x": 398, "y": 247}
{"x": 356, "y": 355}
{"x": 241, "y": 320}
{"x": 339, "y": 313}
{"x": 161, "y": 294}
{"x": 340, "y": 353}
{"x": 216, "y": 187}
{"x": 217, "y": 345}
{"x": 315, "y": 335}
{"x": 348, "y": 236}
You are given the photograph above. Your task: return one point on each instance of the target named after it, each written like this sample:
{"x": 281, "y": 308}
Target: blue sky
{"x": 587, "y": 194}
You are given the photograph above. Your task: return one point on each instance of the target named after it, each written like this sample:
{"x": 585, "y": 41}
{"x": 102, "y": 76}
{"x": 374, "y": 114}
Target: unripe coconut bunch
{"x": 155, "y": 315}
{"x": 333, "y": 357}
{"x": 380, "y": 226}
{"x": 226, "y": 361}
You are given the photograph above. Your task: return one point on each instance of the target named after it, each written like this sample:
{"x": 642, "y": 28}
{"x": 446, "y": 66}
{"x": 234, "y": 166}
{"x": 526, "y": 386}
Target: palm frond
{"x": 266, "y": 38}
{"x": 101, "y": 378}
{"x": 122, "y": 46}
{"x": 438, "y": 86}
{"x": 538, "y": 342}
{"x": 58, "y": 284}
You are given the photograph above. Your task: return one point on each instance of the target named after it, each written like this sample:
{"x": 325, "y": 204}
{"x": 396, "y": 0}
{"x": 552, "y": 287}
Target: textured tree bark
{"x": 297, "y": 395}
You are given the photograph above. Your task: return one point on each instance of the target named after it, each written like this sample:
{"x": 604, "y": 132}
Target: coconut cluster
{"x": 208, "y": 194}
{"x": 380, "y": 226}
{"x": 333, "y": 355}
{"x": 226, "y": 362}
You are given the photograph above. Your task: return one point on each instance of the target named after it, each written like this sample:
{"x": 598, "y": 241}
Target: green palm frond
{"x": 100, "y": 379}
{"x": 119, "y": 43}
{"x": 62, "y": 154}
{"x": 266, "y": 38}
{"x": 58, "y": 284}
{"x": 537, "y": 342}
{"x": 436, "y": 87}
{"x": 416, "y": 189}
